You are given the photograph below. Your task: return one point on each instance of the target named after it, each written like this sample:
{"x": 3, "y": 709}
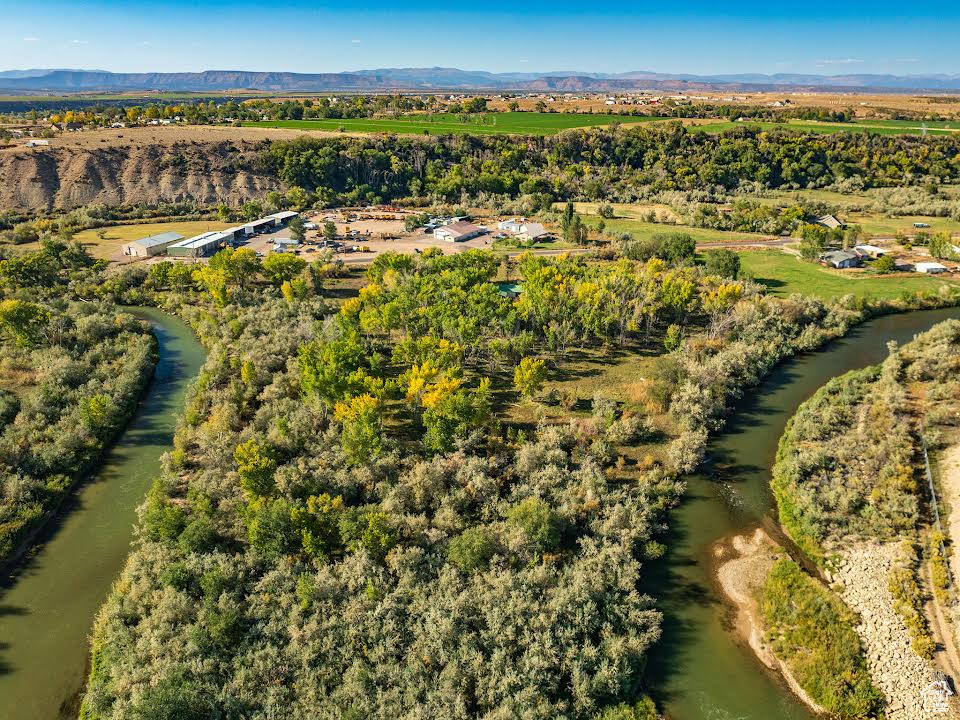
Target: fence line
{"x": 936, "y": 510}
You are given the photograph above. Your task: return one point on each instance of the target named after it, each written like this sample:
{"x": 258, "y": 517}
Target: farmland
{"x": 784, "y": 274}
{"x": 505, "y": 123}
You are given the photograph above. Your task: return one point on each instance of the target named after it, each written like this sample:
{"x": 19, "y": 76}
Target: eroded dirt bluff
{"x": 70, "y": 175}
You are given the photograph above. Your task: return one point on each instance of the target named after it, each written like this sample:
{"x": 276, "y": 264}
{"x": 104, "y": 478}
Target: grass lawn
{"x": 875, "y": 224}
{"x": 525, "y": 123}
{"x": 641, "y": 229}
{"x": 114, "y": 237}
{"x": 628, "y": 211}
{"x": 785, "y": 274}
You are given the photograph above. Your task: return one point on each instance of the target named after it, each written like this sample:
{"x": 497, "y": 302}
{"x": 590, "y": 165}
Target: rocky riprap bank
{"x": 896, "y": 670}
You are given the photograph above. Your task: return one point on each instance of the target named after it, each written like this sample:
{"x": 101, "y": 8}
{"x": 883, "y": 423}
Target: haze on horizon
{"x": 698, "y": 36}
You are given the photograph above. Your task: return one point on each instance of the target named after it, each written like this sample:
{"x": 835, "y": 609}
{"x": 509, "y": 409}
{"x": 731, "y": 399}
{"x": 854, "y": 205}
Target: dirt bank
{"x": 744, "y": 561}
{"x": 949, "y": 477}
{"x": 71, "y": 172}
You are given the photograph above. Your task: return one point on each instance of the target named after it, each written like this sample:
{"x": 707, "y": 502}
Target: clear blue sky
{"x": 695, "y": 36}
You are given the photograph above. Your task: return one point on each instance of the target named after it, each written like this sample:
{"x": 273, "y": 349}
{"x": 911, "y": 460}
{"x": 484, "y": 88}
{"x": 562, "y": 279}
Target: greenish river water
{"x": 699, "y": 670}
{"x": 48, "y": 604}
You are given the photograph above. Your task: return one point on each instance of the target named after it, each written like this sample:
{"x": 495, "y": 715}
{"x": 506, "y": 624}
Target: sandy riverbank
{"x": 743, "y": 563}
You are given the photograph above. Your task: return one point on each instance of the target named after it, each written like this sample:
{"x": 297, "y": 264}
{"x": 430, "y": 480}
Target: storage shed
{"x": 151, "y": 245}
{"x": 201, "y": 245}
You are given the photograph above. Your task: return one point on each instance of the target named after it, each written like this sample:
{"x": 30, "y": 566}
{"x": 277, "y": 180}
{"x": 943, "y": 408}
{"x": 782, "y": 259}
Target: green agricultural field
{"x": 505, "y": 123}
{"x": 785, "y": 274}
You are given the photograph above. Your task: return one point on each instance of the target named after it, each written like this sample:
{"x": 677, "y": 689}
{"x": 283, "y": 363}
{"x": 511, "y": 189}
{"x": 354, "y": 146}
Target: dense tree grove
{"x": 848, "y": 464}
{"x": 605, "y": 164}
{"x": 70, "y": 377}
{"x": 347, "y": 528}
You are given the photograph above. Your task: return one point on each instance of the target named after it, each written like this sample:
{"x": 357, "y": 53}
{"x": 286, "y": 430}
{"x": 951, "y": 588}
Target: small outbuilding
{"x": 829, "y": 221}
{"x": 871, "y": 250}
{"x": 151, "y": 245}
{"x": 842, "y": 259}
{"x": 931, "y": 268}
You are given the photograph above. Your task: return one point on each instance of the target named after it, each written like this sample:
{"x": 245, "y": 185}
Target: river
{"x": 699, "y": 670}
{"x": 47, "y": 606}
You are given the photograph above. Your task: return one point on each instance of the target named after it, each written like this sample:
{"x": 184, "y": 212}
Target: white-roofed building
{"x": 151, "y": 245}
{"x": 201, "y": 245}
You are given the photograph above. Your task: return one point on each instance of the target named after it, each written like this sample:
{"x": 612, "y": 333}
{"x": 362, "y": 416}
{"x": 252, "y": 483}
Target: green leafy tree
{"x": 280, "y": 267}
{"x": 297, "y": 230}
{"x": 529, "y": 376}
{"x": 255, "y": 466}
{"x": 724, "y": 263}
{"x": 361, "y": 433}
{"x": 23, "y": 321}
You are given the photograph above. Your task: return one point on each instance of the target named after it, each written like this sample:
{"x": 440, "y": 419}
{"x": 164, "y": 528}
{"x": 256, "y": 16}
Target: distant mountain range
{"x": 436, "y": 79}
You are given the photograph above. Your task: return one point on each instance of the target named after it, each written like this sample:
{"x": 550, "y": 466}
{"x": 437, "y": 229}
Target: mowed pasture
{"x": 105, "y": 243}
{"x": 500, "y": 123}
{"x": 642, "y": 229}
{"x": 784, "y": 274}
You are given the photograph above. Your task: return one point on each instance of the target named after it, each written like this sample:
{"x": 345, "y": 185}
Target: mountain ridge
{"x": 436, "y": 79}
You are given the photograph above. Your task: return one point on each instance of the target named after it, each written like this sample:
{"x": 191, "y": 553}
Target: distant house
{"x": 152, "y": 245}
{"x": 841, "y": 259}
{"x": 457, "y": 232}
{"x": 829, "y": 221}
{"x": 871, "y": 250}
{"x": 532, "y": 232}
{"x": 285, "y": 242}
{"x": 522, "y": 229}
{"x": 511, "y": 226}
{"x": 931, "y": 268}
{"x": 36, "y": 143}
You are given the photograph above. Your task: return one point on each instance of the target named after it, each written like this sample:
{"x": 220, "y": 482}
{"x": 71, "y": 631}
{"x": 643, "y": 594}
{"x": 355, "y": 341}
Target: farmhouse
{"x": 457, "y": 232}
{"x": 829, "y": 221}
{"x": 152, "y": 245}
{"x": 198, "y": 246}
{"x": 532, "y": 232}
{"x": 841, "y": 259}
{"x": 931, "y": 268}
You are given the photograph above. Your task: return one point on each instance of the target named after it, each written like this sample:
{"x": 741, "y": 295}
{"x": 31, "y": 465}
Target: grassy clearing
{"x": 785, "y": 274}
{"x": 108, "y": 246}
{"x": 524, "y": 123}
{"x": 875, "y": 224}
{"x": 628, "y": 211}
{"x": 642, "y": 229}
